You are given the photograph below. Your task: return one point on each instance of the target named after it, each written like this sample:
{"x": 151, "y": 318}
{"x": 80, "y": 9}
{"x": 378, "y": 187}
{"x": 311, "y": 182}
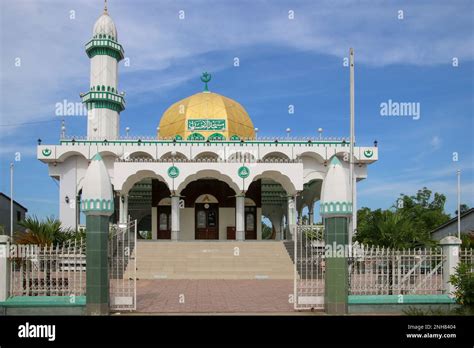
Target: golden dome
{"x": 206, "y": 115}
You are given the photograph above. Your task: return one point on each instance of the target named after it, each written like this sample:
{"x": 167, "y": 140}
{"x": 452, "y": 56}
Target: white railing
{"x": 467, "y": 256}
{"x": 49, "y": 270}
{"x": 309, "y": 267}
{"x": 123, "y": 267}
{"x": 382, "y": 271}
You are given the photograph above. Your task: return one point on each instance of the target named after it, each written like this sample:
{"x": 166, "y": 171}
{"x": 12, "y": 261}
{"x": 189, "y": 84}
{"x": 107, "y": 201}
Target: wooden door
{"x": 206, "y": 221}
{"x": 164, "y": 222}
{"x": 250, "y": 223}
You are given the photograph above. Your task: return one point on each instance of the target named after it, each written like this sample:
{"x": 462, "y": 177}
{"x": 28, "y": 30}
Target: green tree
{"x": 43, "y": 232}
{"x": 266, "y": 231}
{"x": 406, "y": 225}
{"x": 464, "y": 208}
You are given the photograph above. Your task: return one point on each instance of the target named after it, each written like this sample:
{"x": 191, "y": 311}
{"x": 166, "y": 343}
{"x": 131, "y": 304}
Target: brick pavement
{"x": 214, "y": 296}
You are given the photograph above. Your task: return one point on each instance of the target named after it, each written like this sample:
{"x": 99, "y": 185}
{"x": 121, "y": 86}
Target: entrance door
{"x": 207, "y": 221}
{"x": 164, "y": 222}
{"x": 250, "y": 223}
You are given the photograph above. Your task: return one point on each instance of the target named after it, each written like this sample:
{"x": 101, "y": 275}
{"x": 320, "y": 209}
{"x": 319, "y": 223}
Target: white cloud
{"x": 435, "y": 142}
{"x": 169, "y": 50}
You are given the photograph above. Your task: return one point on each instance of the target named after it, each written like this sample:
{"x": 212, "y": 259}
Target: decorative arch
{"x": 179, "y": 156}
{"x": 208, "y": 173}
{"x": 280, "y": 178}
{"x": 275, "y": 155}
{"x": 206, "y": 198}
{"x": 138, "y": 176}
{"x": 216, "y": 137}
{"x": 207, "y": 155}
{"x": 68, "y": 154}
{"x": 140, "y": 154}
{"x": 196, "y": 136}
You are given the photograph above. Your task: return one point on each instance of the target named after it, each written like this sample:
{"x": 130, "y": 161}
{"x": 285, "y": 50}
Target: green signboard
{"x": 173, "y": 172}
{"x": 244, "y": 172}
{"x": 206, "y": 125}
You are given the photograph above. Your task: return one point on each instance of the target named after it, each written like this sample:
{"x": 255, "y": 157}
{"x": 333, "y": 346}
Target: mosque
{"x": 206, "y": 175}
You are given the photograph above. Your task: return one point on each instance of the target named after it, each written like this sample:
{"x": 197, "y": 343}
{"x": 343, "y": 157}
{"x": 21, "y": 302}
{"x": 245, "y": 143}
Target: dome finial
{"x": 105, "y": 7}
{"x": 206, "y": 77}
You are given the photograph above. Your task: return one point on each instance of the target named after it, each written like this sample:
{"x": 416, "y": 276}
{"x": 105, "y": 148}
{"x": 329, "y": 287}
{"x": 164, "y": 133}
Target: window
{"x": 18, "y": 216}
{"x": 163, "y": 221}
{"x": 201, "y": 219}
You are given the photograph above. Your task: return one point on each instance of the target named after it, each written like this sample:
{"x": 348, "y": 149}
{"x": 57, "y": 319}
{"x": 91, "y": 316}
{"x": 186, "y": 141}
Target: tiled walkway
{"x": 214, "y": 296}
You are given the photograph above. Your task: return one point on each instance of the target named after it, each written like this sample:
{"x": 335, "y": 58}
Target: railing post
{"x": 4, "y": 268}
{"x": 451, "y": 248}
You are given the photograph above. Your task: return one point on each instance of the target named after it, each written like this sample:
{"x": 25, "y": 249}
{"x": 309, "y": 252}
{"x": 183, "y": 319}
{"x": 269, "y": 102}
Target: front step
{"x": 213, "y": 260}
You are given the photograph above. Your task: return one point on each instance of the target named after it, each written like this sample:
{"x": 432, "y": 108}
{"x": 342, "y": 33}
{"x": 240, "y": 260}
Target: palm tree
{"x": 44, "y": 232}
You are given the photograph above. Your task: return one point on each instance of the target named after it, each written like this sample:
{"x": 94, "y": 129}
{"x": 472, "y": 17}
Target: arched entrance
{"x": 206, "y": 217}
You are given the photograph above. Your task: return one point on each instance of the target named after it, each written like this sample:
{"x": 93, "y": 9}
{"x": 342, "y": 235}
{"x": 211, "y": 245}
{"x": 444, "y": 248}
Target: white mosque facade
{"x": 206, "y": 175}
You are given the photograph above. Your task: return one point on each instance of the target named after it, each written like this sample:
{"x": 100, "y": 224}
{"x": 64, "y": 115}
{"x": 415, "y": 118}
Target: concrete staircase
{"x": 213, "y": 260}
{"x": 309, "y": 266}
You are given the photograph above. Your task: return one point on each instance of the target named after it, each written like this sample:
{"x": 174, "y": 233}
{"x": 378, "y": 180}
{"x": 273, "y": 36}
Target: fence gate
{"x": 123, "y": 267}
{"x": 309, "y": 267}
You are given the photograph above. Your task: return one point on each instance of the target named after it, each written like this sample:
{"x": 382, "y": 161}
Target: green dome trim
{"x": 335, "y": 208}
{"x": 196, "y": 136}
{"x": 216, "y": 136}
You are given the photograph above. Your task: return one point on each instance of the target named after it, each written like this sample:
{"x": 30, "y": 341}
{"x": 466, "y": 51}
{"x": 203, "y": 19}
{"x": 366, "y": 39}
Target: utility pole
{"x": 352, "y": 141}
{"x": 11, "y": 199}
{"x": 458, "y": 173}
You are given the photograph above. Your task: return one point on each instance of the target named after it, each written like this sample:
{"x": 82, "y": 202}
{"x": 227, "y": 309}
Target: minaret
{"x": 98, "y": 205}
{"x": 336, "y": 210}
{"x": 103, "y": 101}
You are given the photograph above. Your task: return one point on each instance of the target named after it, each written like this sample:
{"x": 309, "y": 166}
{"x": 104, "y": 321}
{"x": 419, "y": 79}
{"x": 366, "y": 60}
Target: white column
{"x": 240, "y": 217}
{"x": 154, "y": 222}
{"x": 121, "y": 210}
{"x": 125, "y": 208}
{"x": 451, "y": 247}
{"x": 175, "y": 218}
{"x": 291, "y": 216}
{"x": 4, "y": 268}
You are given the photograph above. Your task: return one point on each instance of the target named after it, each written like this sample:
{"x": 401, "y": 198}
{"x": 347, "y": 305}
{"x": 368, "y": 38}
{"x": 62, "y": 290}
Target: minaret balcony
{"x": 109, "y": 100}
{"x": 104, "y": 47}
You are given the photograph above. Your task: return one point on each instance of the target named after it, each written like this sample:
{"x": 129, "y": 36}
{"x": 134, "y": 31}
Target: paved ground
{"x": 214, "y": 296}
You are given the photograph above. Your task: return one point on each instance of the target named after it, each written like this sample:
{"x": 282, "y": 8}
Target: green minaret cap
{"x": 206, "y": 77}
{"x": 97, "y": 157}
{"x": 335, "y": 161}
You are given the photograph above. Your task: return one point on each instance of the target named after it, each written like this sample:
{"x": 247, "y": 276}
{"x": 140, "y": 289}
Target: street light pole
{"x": 351, "y": 151}
{"x": 458, "y": 172}
{"x": 11, "y": 199}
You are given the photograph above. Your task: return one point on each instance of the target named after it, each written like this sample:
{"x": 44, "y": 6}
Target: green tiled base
{"x": 336, "y": 277}
{"x": 97, "y": 291}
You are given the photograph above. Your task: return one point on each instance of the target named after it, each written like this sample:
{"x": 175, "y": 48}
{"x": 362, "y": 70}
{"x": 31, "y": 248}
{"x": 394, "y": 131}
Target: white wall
{"x": 186, "y": 224}
{"x": 226, "y": 218}
{"x": 259, "y": 223}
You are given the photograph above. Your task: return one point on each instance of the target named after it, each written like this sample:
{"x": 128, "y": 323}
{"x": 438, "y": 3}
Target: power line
{"x": 25, "y": 123}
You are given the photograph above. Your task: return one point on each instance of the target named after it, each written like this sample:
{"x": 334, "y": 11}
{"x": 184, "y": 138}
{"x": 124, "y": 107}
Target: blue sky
{"x": 282, "y": 62}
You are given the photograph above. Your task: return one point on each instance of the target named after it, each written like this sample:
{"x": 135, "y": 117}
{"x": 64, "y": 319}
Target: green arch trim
{"x": 196, "y": 136}
{"x": 216, "y": 136}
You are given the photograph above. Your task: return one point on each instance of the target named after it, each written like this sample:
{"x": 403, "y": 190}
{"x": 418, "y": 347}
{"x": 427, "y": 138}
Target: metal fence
{"x": 48, "y": 270}
{"x": 467, "y": 256}
{"x": 382, "y": 271}
{"x": 123, "y": 267}
{"x": 309, "y": 266}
